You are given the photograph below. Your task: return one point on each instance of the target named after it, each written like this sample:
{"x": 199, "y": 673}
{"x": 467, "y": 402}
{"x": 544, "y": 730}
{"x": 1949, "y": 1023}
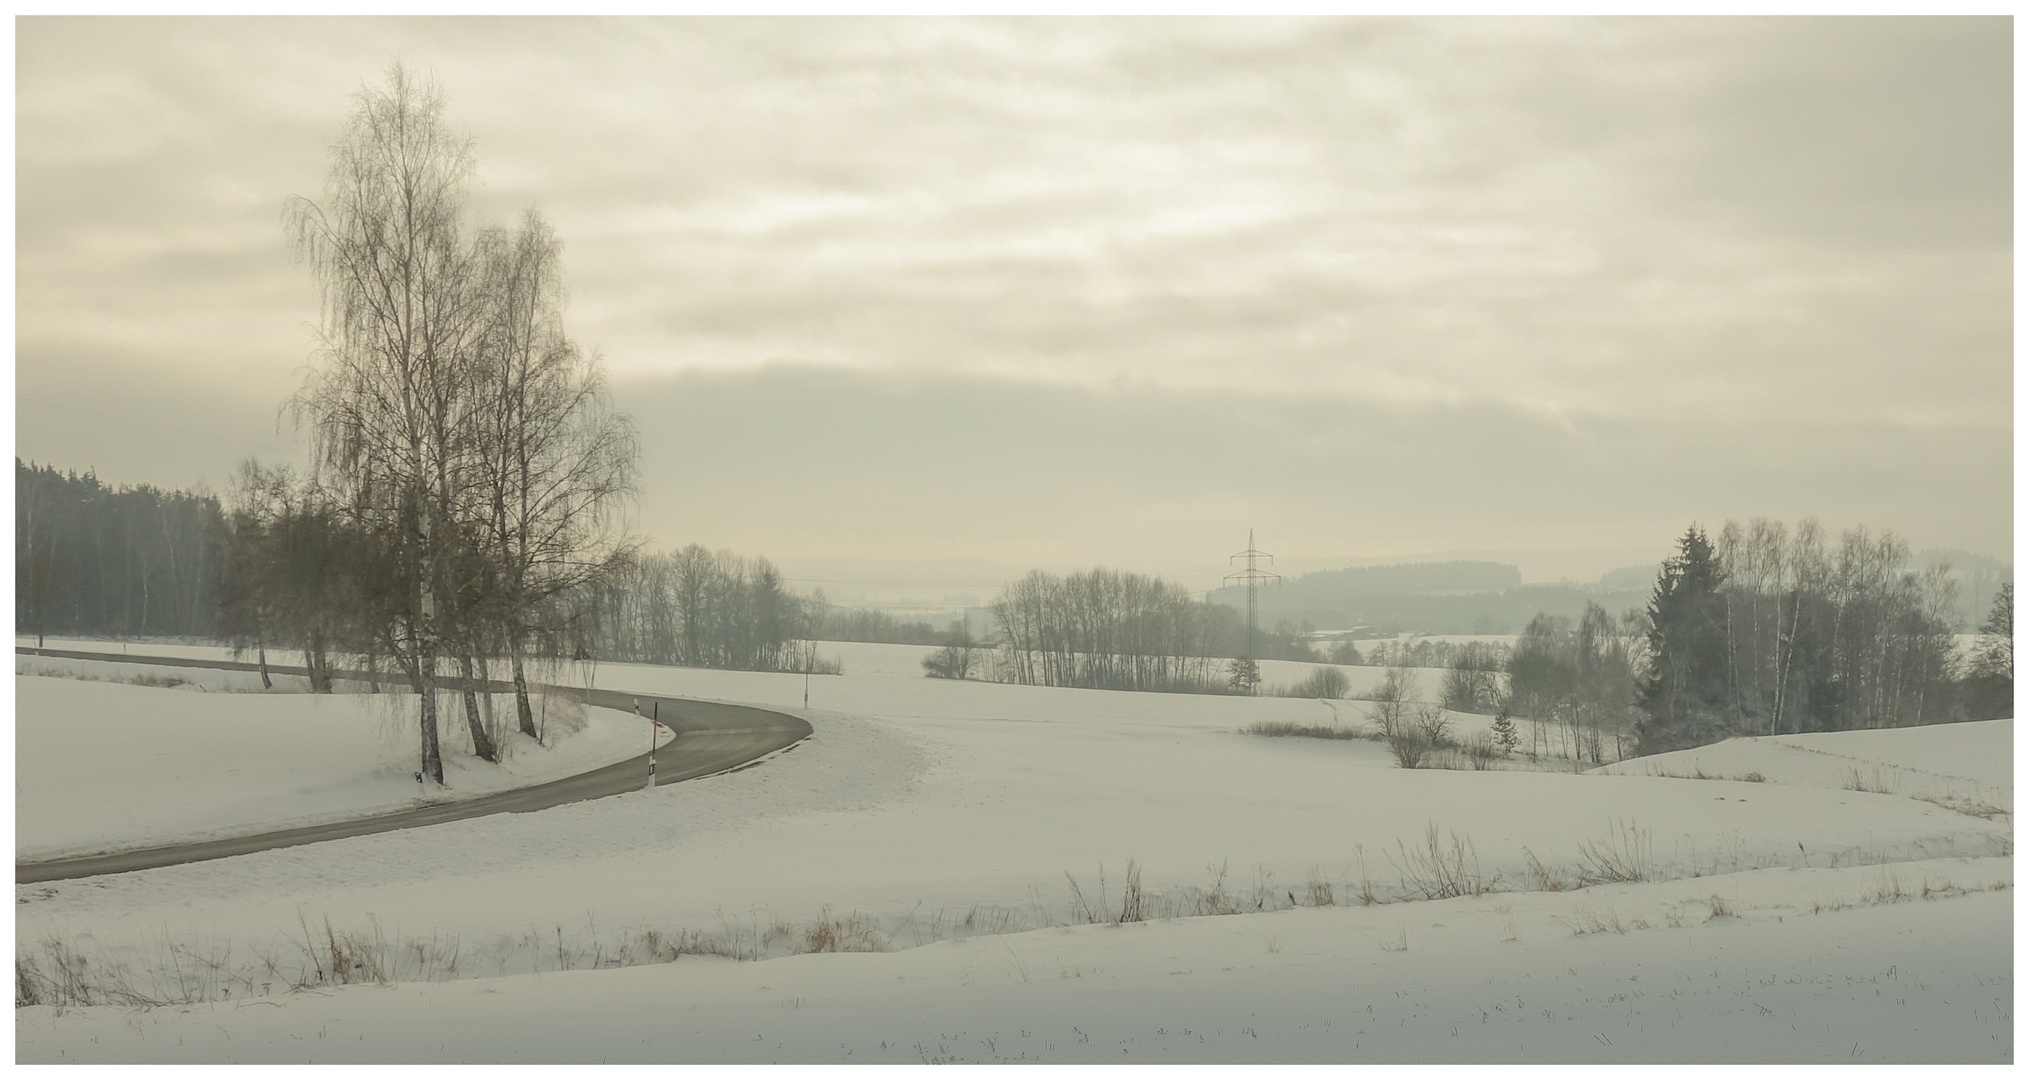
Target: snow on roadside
{"x": 1768, "y": 966}
{"x": 104, "y": 766}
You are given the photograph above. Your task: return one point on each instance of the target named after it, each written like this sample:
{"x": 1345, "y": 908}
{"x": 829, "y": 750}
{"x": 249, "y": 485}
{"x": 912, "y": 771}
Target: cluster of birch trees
{"x": 1432, "y": 653}
{"x": 1765, "y": 630}
{"x": 1105, "y": 629}
{"x": 464, "y": 458}
{"x": 1770, "y": 631}
{"x": 1826, "y": 635}
{"x": 1578, "y": 682}
{"x": 699, "y": 608}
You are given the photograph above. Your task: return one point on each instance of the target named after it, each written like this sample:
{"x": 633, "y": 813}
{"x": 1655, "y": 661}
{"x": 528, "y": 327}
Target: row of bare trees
{"x": 1830, "y": 635}
{"x": 699, "y": 608}
{"x": 1765, "y": 630}
{"x": 1578, "y": 681}
{"x": 1106, "y": 629}
{"x": 1434, "y": 653}
{"x": 463, "y": 449}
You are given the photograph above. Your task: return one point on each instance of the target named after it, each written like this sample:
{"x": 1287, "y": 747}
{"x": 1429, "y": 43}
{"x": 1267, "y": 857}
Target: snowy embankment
{"x": 113, "y": 756}
{"x": 1629, "y": 917}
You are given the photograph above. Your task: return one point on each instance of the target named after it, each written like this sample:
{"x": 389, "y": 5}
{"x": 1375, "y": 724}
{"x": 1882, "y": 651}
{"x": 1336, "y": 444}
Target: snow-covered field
{"x": 216, "y": 757}
{"x": 981, "y": 837}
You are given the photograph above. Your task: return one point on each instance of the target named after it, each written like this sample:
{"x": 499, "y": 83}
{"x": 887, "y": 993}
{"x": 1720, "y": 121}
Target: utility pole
{"x": 1253, "y": 576}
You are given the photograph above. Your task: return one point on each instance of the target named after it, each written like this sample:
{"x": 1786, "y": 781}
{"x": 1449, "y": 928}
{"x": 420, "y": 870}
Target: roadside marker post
{"x": 654, "y": 725}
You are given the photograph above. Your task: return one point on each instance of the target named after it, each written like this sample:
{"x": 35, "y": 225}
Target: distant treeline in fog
{"x": 1760, "y": 629}
{"x": 131, "y": 561}
{"x": 1490, "y": 598}
{"x": 1107, "y": 629}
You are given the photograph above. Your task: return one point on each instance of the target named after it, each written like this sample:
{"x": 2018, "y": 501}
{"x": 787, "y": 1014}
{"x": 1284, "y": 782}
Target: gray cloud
{"x": 1572, "y": 245}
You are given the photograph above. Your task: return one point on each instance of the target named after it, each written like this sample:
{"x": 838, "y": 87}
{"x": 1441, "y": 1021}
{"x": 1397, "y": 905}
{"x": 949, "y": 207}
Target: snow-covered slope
{"x": 992, "y": 825}
{"x": 104, "y": 765}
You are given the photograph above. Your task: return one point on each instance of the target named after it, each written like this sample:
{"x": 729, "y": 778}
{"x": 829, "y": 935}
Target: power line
{"x": 1252, "y": 576}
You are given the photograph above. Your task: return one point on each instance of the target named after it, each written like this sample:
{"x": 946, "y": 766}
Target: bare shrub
{"x": 1212, "y": 899}
{"x": 1439, "y": 871}
{"x": 1623, "y": 856}
{"x": 854, "y": 933}
{"x": 1131, "y": 898}
{"x": 1587, "y": 921}
{"x": 1288, "y": 729}
{"x": 1319, "y": 889}
{"x": 1409, "y": 747}
{"x": 1540, "y": 877}
{"x": 1875, "y": 781}
{"x": 1481, "y": 751}
{"x": 1390, "y": 709}
{"x": 1324, "y": 682}
{"x": 1434, "y": 724}
{"x": 359, "y": 958}
{"x": 1078, "y": 904}
{"x": 1719, "y": 908}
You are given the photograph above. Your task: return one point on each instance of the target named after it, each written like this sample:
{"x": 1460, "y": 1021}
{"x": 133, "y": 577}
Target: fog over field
{"x": 941, "y": 301}
{"x": 711, "y": 540}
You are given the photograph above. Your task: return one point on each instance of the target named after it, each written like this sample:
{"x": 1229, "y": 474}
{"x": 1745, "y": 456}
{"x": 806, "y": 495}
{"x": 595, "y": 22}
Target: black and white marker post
{"x": 654, "y": 723}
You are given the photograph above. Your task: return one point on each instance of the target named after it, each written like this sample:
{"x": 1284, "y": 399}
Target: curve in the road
{"x": 711, "y": 737}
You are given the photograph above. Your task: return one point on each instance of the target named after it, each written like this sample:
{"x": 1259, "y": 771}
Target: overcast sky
{"x": 939, "y": 301}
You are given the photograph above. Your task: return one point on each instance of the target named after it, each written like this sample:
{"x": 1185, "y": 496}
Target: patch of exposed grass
{"x": 1281, "y": 729}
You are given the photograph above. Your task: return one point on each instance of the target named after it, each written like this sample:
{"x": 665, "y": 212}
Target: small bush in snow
{"x": 854, "y": 933}
{"x": 1324, "y": 682}
{"x": 1409, "y": 747}
{"x": 1623, "y": 856}
{"x": 1288, "y": 729}
{"x": 1439, "y": 871}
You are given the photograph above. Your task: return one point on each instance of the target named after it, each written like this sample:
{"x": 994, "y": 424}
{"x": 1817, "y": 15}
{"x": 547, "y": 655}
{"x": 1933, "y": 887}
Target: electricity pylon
{"x": 1253, "y": 576}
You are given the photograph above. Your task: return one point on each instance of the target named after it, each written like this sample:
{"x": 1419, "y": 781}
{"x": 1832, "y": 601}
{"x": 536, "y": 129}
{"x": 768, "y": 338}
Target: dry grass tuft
{"x": 1439, "y": 871}
{"x": 1623, "y": 856}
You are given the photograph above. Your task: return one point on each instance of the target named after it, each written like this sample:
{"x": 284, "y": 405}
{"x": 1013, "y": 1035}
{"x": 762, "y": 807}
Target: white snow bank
{"x": 928, "y": 808}
{"x": 1771, "y": 966}
{"x": 1969, "y": 765}
{"x": 105, "y": 766}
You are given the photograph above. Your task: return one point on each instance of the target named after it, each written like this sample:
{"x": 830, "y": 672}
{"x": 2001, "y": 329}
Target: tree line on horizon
{"x": 129, "y": 561}
{"x": 1763, "y": 630}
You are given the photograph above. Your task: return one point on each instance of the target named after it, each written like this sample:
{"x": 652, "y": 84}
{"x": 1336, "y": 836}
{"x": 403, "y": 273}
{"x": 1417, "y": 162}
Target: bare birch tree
{"x": 557, "y": 463}
{"x": 387, "y": 404}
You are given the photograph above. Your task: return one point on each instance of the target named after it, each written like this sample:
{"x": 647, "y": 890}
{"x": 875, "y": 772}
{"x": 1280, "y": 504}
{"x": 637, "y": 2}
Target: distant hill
{"x": 1489, "y": 597}
{"x": 1439, "y": 598}
{"x": 1642, "y": 578}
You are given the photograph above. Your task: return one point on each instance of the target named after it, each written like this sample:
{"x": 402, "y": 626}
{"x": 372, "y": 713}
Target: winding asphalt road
{"x": 710, "y": 738}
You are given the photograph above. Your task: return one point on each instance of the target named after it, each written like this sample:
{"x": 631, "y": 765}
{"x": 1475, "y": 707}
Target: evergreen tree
{"x": 1684, "y": 695}
{"x": 1505, "y": 735}
{"x": 1990, "y": 684}
{"x": 1245, "y": 676}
